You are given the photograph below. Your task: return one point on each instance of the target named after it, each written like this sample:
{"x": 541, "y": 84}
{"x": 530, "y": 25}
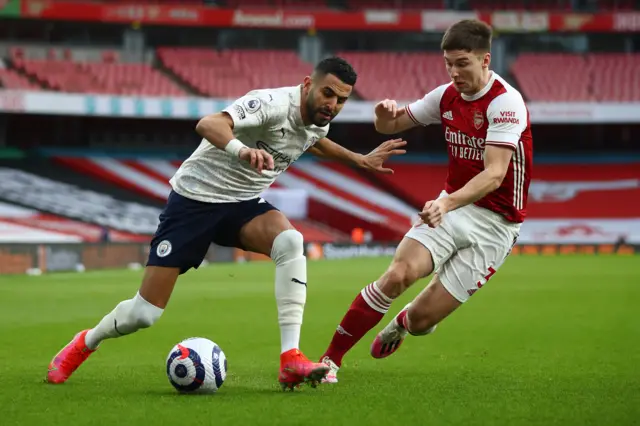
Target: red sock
{"x": 364, "y": 313}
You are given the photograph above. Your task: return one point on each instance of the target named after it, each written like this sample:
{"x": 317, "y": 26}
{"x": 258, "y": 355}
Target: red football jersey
{"x": 497, "y": 115}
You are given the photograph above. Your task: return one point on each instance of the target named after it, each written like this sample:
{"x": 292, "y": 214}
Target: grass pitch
{"x": 550, "y": 340}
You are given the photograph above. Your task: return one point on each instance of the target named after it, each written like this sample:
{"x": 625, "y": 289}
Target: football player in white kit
{"x": 216, "y": 198}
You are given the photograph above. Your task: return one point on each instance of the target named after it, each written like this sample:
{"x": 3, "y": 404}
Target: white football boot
{"x": 332, "y": 375}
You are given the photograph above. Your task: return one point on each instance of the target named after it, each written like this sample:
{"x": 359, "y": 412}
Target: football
{"x": 196, "y": 365}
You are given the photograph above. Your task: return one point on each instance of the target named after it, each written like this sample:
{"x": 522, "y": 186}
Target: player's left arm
{"x": 373, "y": 161}
{"x": 507, "y": 117}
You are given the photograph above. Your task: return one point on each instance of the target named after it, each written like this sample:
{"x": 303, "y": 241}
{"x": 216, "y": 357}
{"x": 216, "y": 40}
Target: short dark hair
{"x": 468, "y": 35}
{"x": 338, "y": 67}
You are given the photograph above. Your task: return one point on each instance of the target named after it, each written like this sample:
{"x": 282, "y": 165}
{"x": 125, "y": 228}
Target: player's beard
{"x": 322, "y": 120}
{"x": 315, "y": 116}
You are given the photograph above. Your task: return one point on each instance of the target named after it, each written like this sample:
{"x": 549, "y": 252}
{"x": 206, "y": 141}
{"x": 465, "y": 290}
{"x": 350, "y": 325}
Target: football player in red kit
{"x": 465, "y": 234}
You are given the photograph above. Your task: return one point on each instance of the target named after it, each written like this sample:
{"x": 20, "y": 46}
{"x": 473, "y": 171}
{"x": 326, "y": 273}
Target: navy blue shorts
{"x": 187, "y": 228}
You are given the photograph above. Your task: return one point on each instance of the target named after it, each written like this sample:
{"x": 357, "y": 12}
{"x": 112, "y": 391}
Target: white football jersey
{"x": 267, "y": 119}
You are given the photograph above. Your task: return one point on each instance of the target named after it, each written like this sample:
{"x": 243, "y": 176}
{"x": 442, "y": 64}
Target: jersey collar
{"x": 482, "y": 92}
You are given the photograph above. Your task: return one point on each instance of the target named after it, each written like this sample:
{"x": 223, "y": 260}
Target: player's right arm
{"x": 390, "y": 120}
{"x": 244, "y": 113}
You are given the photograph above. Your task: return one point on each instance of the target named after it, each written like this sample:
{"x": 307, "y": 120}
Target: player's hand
{"x": 386, "y": 109}
{"x": 433, "y": 212}
{"x": 258, "y": 158}
{"x": 374, "y": 160}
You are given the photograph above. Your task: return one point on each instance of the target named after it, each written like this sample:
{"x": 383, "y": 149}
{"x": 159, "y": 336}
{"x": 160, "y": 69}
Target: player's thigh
{"x": 180, "y": 243}
{"x": 440, "y": 242}
{"x": 258, "y": 234}
{"x": 421, "y": 251}
{"x": 252, "y": 225}
{"x": 411, "y": 262}
{"x": 431, "y": 306}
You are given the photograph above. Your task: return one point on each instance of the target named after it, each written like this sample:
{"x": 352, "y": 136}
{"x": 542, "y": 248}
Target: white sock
{"x": 128, "y": 317}
{"x": 289, "y": 337}
{"x": 291, "y": 286}
{"x": 291, "y": 295}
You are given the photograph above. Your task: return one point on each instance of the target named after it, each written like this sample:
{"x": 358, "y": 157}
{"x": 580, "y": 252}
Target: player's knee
{"x": 287, "y": 246}
{"x": 400, "y": 276}
{"x": 135, "y": 314}
{"x": 420, "y": 322}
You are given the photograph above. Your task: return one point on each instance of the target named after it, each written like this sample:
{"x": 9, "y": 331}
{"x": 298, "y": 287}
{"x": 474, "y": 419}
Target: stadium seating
{"x": 573, "y": 77}
{"x": 338, "y": 198}
{"x": 615, "y": 76}
{"x": 90, "y": 203}
{"x": 228, "y": 3}
{"x": 59, "y": 71}
{"x": 392, "y": 4}
{"x": 556, "y": 191}
{"x": 396, "y": 4}
{"x": 232, "y": 73}
{"x": 553, "y": 77}
{"x": 106, "y": 78}
{"x": 541, "y": 77}
{"x": 10, "y": 79}
{"x": 521, "y": 5}
{"x": 288, "y": 4}
{"x": 544, "y": 77}
{"x": 403, "y": 76}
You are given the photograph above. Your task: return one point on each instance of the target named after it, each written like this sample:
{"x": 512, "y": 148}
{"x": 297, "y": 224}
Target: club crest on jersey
{"x": 311, "y": 142}
{"x": 252, "y": 105}
{"x": 164, "y": 248}
{"x": 478, "y": 120}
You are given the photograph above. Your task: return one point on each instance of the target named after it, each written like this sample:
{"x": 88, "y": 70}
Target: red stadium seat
{"x": 232, "y": 73}
{"x": 615, "y": 76}
{"x": 555, "y": 77}
{"x": 396, "y": 4}
{"x": 421, "y": 73}
{"x": 552, "y": 77}
{"x": 10, "y": 79}
{"x": 101, "y": 78}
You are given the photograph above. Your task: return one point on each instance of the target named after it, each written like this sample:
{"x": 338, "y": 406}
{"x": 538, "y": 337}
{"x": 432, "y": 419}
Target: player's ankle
{"x": 335, "y": 358}
{"x": 401, "y": 320}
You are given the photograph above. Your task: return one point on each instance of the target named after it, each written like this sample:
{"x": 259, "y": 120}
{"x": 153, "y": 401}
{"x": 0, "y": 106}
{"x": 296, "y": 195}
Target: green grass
{"x": 550, "y": 340}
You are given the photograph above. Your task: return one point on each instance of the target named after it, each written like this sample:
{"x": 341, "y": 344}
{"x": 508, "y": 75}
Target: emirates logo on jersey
{"x": 464, "y": 146}
{"x": 478, "y": 120}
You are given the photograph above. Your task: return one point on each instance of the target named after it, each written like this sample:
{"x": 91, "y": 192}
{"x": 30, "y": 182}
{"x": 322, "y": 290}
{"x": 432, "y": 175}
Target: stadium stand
{"x": 33, "y": 225}
{"x": 336, "y": 200}
{"x": 557, "y": 191}
{"x": 573, "y": 77}
{"x": 83, "y": 71}
{"x": 111, "y": 186}
{"x": 232, "y": 73}
{"x": 11, "y": 79}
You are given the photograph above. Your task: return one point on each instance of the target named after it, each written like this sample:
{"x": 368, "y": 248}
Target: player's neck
{"x": 486, "y": 77}
{"x": 482, "y": 84}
